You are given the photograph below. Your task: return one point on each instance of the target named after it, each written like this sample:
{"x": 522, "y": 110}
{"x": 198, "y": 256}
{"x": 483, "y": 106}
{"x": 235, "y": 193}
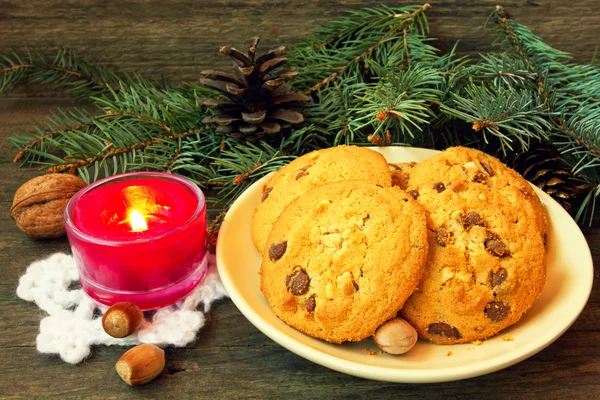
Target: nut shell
{"x": 396, "y": 336}
{"x": 122, "y": 319}
{"x": 39, "y": 204}
{"x": 141, "y": 364}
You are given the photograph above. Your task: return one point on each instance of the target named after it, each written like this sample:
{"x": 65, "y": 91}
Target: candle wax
{"x": 104, "y": 212}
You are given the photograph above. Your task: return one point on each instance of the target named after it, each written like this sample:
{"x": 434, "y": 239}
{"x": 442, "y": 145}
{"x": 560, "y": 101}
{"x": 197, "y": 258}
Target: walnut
{"x": 39, "y": 204}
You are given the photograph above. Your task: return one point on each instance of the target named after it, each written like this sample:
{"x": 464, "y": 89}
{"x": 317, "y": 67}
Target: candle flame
{"x": 137, "y": 221}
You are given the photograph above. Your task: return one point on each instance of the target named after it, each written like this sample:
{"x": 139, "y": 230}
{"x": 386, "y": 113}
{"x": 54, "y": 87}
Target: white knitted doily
{"x": 74, "y": 324}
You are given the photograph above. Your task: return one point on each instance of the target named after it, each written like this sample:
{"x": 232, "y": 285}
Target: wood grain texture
{"x": 178, "y": 39}
{"x": 231, "y": 359}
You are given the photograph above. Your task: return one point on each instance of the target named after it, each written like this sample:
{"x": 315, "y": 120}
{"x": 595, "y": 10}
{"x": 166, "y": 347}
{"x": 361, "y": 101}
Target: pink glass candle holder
{"x": 138, "y": 237}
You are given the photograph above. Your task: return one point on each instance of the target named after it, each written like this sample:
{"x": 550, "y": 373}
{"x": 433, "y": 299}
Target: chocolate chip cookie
{"x": 462, "y": 167}
{"x": 486, "y": 262}
{"x": 341, "y": 163}
{"x": 342, "y": 259}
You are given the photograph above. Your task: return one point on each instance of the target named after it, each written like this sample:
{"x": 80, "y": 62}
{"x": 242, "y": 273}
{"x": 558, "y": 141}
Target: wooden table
{"x": 231, "y": 358}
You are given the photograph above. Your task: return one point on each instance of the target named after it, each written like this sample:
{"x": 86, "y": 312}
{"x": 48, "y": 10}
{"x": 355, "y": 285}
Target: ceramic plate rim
{"x": 388, "y": 374}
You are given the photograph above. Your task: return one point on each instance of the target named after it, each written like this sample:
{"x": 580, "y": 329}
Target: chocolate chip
{"x": 442, "y": 329}
{"x": 439, "y": 186}
{"x": 277, "y": 250}
{"x": 310, "y": 304}
{"x": 545, "y": 238}
{"x": 413, "y": 193}
{"x": 355, "y": 285}
{"x": 443, "y": 237}
{"x": 470, "y": 219}
{"x": 499, "y": 277}
{"x": 488, "y": 168}
{"x": 497, "y": 311}
{"x": 494, "y": 245}
{"x": 491, "y": 235}
{"x": 394, "y": 166}
{"x": 302, "y": 172}
{"x": 265, "y": 194}
{"x": 298, "y": 282}
{"x": 479, "y": 177}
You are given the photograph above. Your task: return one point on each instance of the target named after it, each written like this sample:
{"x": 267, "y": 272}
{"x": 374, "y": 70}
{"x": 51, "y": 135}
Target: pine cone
{"x": 258, "y": 102}
{"x": 541, "y": 166}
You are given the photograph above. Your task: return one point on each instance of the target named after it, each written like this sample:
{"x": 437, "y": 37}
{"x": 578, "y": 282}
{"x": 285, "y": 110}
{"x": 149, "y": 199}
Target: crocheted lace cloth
{"x": 74, "y": 325}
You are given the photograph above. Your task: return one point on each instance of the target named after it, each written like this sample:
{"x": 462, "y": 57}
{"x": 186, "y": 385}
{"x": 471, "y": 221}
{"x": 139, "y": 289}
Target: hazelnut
{"x": 396, "y": 336}
{"x": 122, "y": 319}
{"x": 141, "y": 364}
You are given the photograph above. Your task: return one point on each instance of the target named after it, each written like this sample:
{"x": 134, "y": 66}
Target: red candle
{"x": 138, "y": 237}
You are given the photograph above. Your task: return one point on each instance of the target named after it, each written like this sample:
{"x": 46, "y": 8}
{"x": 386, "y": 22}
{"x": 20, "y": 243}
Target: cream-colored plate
{"x": 568, "y": 286}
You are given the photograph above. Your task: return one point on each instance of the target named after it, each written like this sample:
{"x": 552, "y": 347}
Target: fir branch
{"x": 398, "y": 106}
{"x": 76, "y": 75}
{"x": 367, "y": 34}
{"x": 378, "y": 43}
{"x": 570, "y": 93}
{"x": 508, "y": 114}
{"x": 355, "y": 61}
{"x": 190, "y": 157}
{"x": 46, "y": 139}
{"x": 331, "y": 113}
{"x": 35, "y": 142}
{"x": 496, "y": 70}
{"x": 345, "y": 108}
{"x": 363, "y": 19}
{"x": 242, "y": 165}
{"x": 153, "y": 121}
{"x": 112, "y": 152}
{"x": 374, "y": 77}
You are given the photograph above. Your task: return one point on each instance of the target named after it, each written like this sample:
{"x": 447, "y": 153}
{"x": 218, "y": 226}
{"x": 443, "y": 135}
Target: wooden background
{"x": 231, "y": 358}
{"x": 178, "y": 39}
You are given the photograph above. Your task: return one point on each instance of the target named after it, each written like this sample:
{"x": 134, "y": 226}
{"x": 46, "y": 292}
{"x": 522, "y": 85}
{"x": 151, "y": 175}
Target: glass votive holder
{"x": 138, "y": 237}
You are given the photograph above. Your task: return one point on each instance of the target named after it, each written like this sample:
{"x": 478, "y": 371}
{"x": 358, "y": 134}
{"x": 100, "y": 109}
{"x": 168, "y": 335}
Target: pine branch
{"x": 46, "y": 138}
{"x": 496, "y": 70}
{"x": 377, "y": 42}
{"x": 570, "y": 92}
{"x": 373, "y": 77}
{"x": 240, "y": 166}
{"x": 366, "y": 34}
{"x": 76, "y": 75}
{"x": 398, "y": 106}
{"x": 330, "y": 112}
{"x": 111, "y": 152}
{"x": 508, "y": 114}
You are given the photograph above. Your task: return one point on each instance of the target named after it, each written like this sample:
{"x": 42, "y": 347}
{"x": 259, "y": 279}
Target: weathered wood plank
{"x": 178, "y": 39}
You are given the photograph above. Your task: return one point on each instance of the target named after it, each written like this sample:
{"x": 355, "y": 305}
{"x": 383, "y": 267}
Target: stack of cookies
{"x": 454, "y": 244}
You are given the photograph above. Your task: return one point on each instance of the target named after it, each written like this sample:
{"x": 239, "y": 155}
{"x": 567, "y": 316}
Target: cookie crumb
{"x": 449, "y": 354}
{"x": 477, "y": 342}
{"x": 369, "y": 352}
{"x": 507, "y": 338}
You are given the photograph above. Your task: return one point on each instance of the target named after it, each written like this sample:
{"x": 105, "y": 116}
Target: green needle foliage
{"x": 75, "y": 74}
{"x": 570, "y": 93}
{"x": 373, "y": 76}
